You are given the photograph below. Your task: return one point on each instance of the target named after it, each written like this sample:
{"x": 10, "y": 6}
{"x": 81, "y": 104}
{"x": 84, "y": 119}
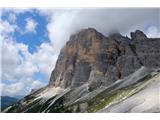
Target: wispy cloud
{"x": 153, "y": 32}
{"x": 30, "y": 26}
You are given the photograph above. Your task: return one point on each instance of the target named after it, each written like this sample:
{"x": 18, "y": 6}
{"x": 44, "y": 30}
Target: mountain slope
{"x": 147, "y": 100}
{"x": 95, "y": 73}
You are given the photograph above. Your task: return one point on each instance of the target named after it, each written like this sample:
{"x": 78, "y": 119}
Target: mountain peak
{"x": 86, "y": 34}
{"x": 88, "y": 52}
{"x": 93, "y": 69}
{"x": 138, "y": 35}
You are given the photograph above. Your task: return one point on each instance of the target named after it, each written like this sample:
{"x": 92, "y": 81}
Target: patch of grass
{"x": 33, "y": 107}
{"x": 112, "y": 98}
{"x": 101, "y": 102}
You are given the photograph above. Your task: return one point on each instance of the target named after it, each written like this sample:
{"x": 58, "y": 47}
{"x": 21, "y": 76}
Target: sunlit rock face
{"x": 90, "y": 57}
{"x": 95, "y": 73}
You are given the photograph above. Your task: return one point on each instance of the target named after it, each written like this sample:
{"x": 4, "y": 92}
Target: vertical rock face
{"x": 91, "y": 58}
{"x": 147, "y": 50}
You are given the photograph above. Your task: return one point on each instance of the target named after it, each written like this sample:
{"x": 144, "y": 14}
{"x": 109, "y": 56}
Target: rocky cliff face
{"x": 94, "y": 71}
{"x": 90, "y": 57}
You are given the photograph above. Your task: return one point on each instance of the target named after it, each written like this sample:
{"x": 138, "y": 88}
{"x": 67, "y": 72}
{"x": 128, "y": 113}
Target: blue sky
{"x": 32, "y": 39}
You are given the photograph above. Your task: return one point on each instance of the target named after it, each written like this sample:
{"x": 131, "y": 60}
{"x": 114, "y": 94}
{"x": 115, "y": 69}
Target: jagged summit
{"x": 90, "y": 29}
{"x": 138, "y": 35}
{"x": 93, "y": 69}
{"x": 84, "y": 34}
{"x": 88, "y": 53}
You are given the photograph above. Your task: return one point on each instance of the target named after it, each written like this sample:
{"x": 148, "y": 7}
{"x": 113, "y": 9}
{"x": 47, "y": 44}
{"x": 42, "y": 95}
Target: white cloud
{"x": 6, "y": 27}
{"x": 63, "y": 23}
{"x": 20, "y": 87}
{"x": 15, "y": 10}
{"x": 12, "y": 89}
{"x": 46, "y": 57}
{"x": 36, "y": 84}
{"x": 12, "y": 17}
{"x": 19, "y": 65}
{"x": 18, "y": 70}
{"x": 153, "y": 32}
{"x": 30, "y": 25}
{"x": 60, "y": 28}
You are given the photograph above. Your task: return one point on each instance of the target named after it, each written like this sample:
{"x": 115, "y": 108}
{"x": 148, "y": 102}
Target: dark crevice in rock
{"x": 133, "y": 48}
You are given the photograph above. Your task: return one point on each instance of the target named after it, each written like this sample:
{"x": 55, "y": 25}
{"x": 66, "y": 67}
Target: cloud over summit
{"x": 63, "y": 23}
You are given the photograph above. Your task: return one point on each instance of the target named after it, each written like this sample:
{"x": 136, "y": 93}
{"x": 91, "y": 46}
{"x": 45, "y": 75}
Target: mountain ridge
{"x": 91, "y": 63}
{"x": 93, "y": 49}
